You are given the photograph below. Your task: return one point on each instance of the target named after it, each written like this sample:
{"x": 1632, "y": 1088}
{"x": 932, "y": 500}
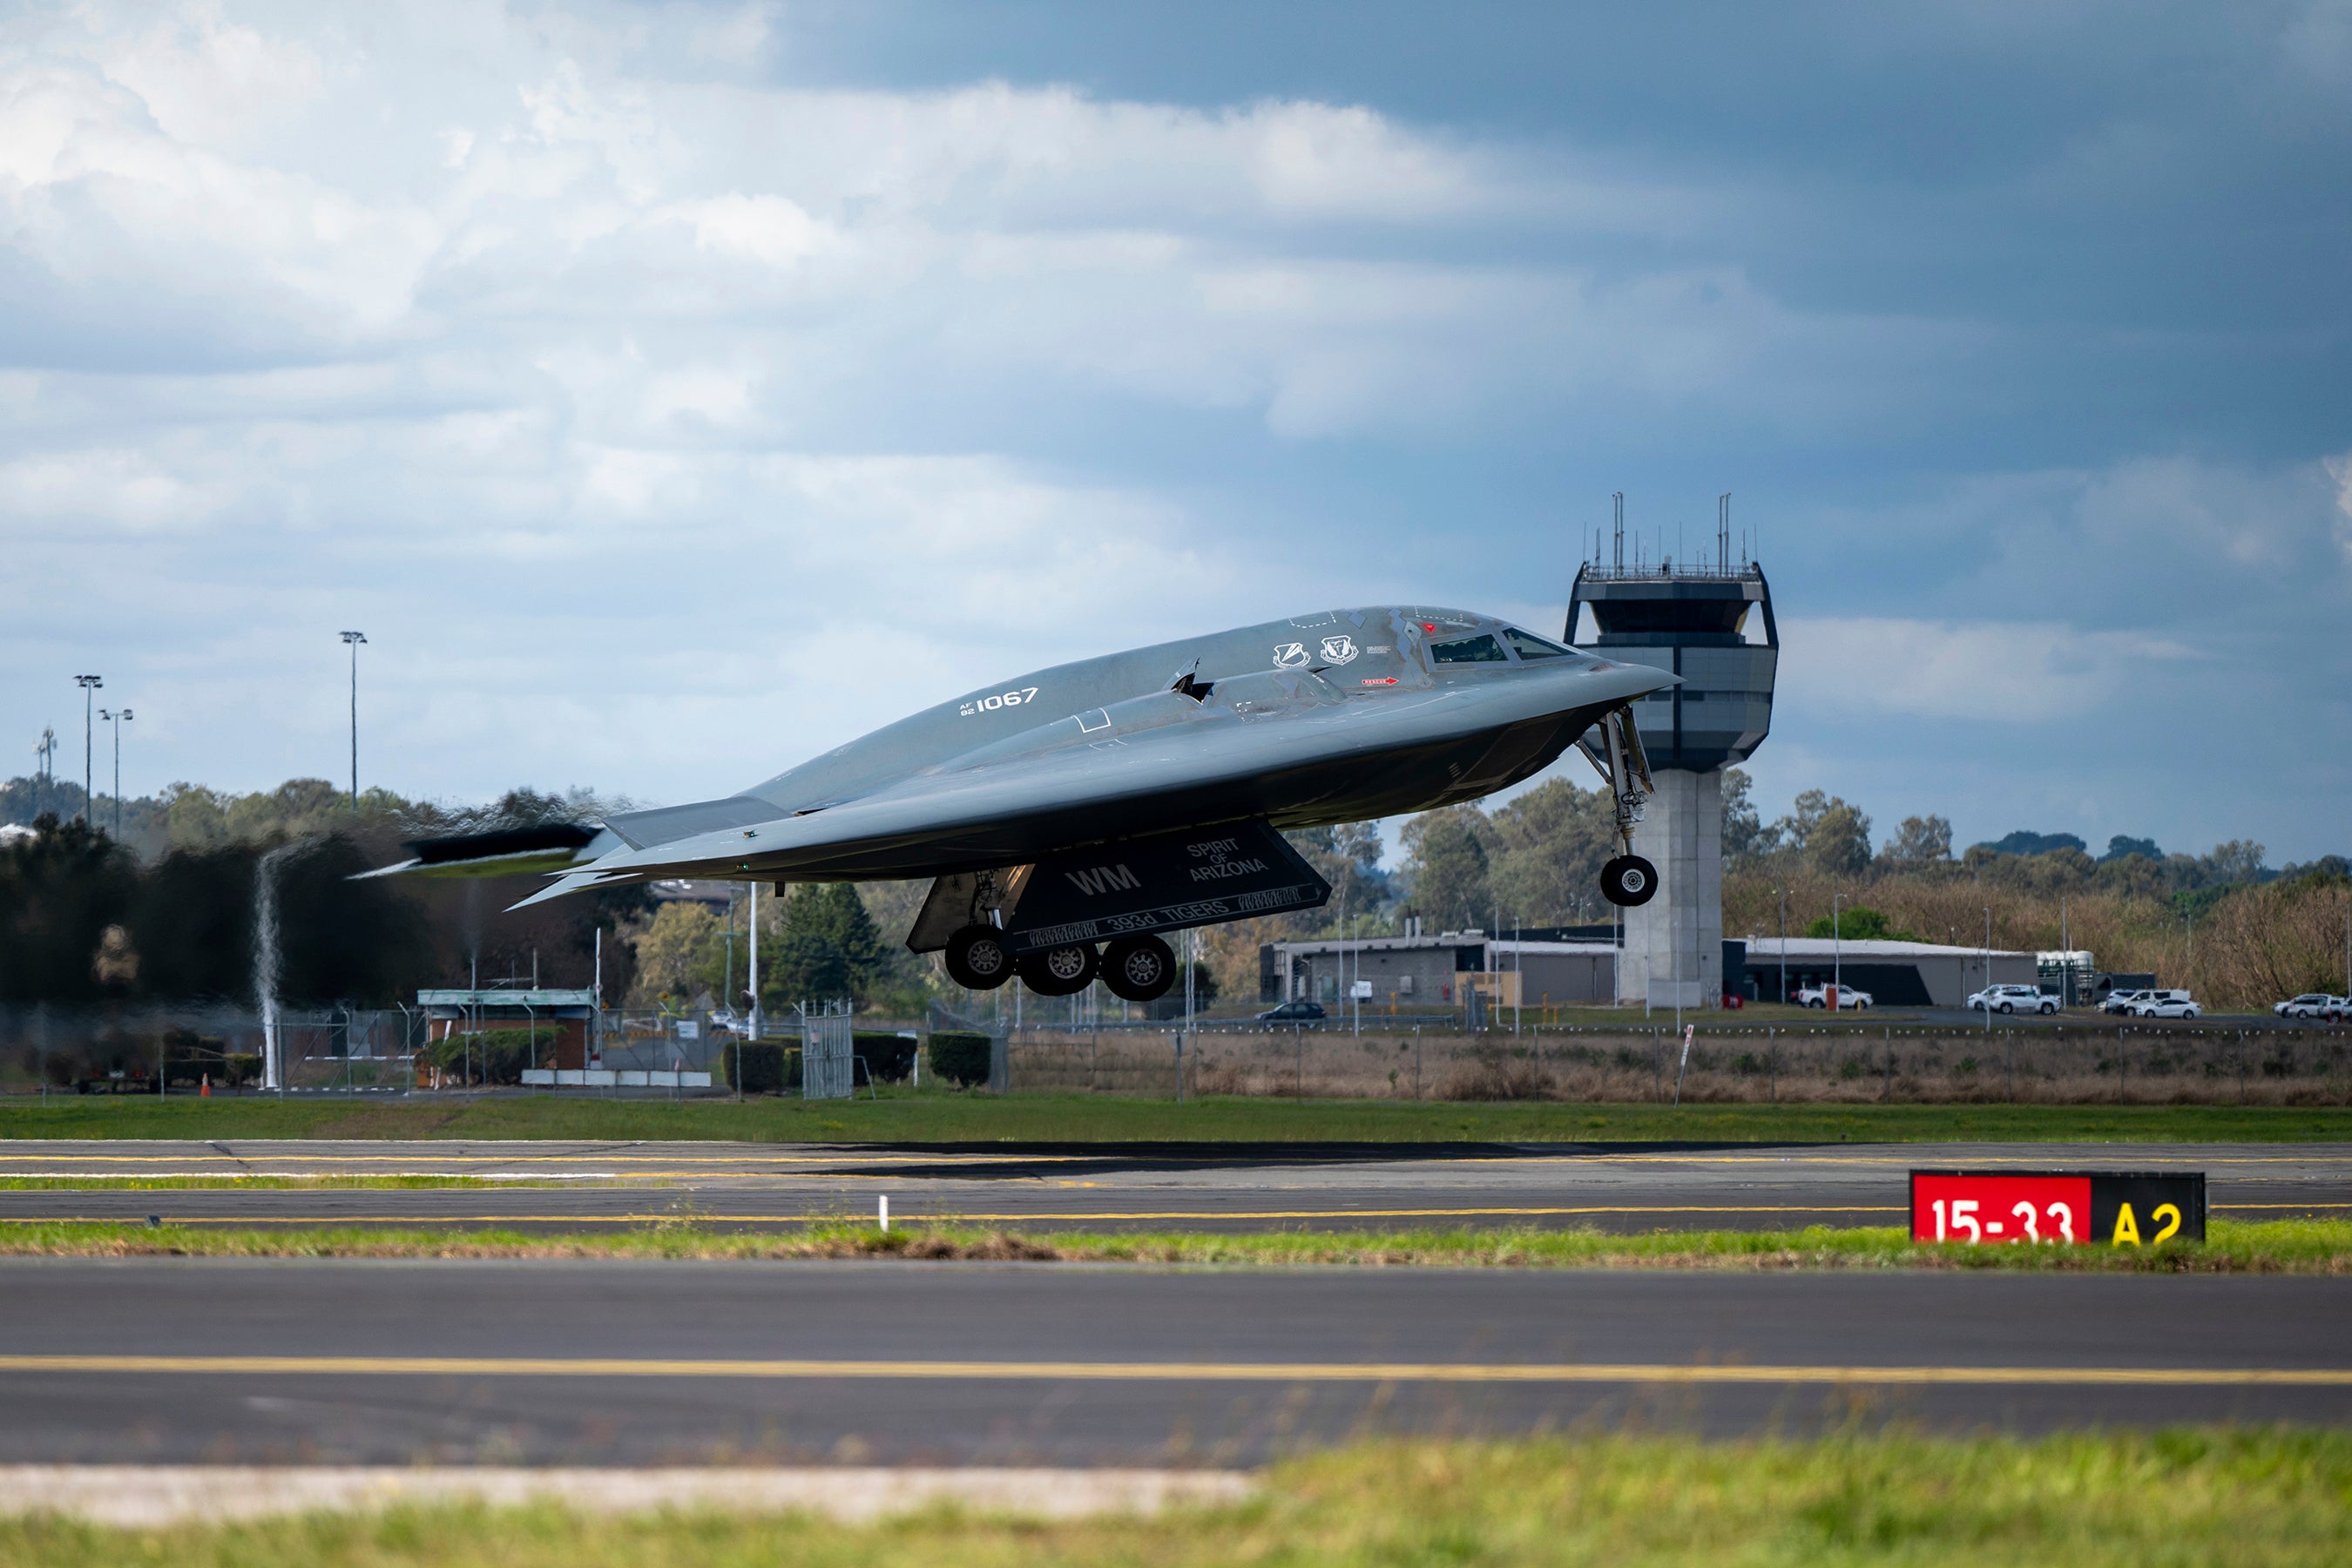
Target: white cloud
{"x": 2339, "y": 469}
{"x": 663, "y": 423}
{"x": 1991, "y": 672}
{"x": 766, "y": 229}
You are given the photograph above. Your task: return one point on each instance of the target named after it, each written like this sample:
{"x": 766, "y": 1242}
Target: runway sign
{"x": 2104, "y": 1208}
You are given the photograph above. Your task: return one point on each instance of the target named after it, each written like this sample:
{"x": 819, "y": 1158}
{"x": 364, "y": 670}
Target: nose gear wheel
{"x": 1629, "y": 881}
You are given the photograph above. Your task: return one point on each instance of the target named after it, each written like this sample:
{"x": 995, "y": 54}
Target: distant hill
{"x": 2023, "y": 842}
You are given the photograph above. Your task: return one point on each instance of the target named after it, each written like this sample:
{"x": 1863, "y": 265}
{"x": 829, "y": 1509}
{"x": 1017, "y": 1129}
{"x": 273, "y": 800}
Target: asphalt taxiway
{"x": 178, "y": 1360}
{"x": 1207, "y": 1186}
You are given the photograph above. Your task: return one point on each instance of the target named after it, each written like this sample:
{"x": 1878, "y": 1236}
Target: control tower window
{"x": 1468, "y": 650}
{"x": 1530, "y": 646}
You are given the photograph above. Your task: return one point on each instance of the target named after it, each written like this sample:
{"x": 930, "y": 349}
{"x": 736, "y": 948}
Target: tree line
{"x": 89, "y": 918}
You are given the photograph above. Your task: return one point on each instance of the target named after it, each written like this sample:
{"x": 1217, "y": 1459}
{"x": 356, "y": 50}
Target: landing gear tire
{"x": 977, "y": 959}
{"x": 1139, "y": 968}
{"x": 1059, "y": 971}
{"x": 1629, "y": 881}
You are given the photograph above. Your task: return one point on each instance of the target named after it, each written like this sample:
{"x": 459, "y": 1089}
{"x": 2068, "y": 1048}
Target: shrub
{"x": 889, "y": 1058}
{"x": 960, "y": 1056}
{"x": 240, "y": 1067}
{"x": 766, "y": 1066}
{"x": 494, "y": 1055}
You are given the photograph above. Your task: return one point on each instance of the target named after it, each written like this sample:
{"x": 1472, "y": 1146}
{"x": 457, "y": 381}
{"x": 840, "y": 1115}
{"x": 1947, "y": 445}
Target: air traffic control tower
{"x": 1691, "y": 618}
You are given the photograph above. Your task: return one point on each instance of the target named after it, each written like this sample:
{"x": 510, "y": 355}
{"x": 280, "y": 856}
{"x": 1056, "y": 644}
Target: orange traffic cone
{"x": 206, "y": 1091}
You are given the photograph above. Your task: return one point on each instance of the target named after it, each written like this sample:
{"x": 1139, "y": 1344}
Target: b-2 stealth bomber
{"x": 1070, "y": 816}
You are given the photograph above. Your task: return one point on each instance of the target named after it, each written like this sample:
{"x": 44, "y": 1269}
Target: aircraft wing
{"x": 1271, "y": 744}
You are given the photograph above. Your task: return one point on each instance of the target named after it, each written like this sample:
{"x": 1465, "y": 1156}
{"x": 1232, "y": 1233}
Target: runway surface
{"x": 155, "y": 1360}
{"x": 1208, "y": 1186}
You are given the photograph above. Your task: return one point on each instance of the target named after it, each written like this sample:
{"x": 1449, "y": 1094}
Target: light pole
{"x": 352, "y": 640}
{"x": 90, "y": 684}
{"x": 1837, "y": 954}
{"x": 116, "y": 718}
{"x": 1784, "y": 944}
{"x": 45, "y": 771}
{"x": 1988, "y": 989}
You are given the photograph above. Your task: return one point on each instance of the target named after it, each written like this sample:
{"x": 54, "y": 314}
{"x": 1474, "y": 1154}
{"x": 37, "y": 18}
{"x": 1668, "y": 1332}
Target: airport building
{"x": 1409, "y": 973}
{"x": 1895, "y": 973}
{"x": 571, "y": 1014}
{"x": 1443, "y": 972}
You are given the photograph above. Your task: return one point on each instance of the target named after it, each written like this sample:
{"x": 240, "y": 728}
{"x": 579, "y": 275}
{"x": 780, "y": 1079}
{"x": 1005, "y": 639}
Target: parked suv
{"x": 2012, "y": 999}
{"x": 2314, "y": 1004}
{"x": 1848, "y": 996}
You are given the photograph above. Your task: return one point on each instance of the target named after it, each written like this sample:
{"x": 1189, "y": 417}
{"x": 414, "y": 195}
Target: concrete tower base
{"x": 1673, "y": 944}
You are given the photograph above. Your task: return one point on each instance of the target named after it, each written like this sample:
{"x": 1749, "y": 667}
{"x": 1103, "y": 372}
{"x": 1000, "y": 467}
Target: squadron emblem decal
{"x": 1290, "y": 655}
{"x": 1338, "y": 650}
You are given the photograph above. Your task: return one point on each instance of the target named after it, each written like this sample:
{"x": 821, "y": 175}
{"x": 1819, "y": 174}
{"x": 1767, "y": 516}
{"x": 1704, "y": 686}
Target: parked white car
{"x": 2012, "y": 999}
{"x": 2161, "y": 1005}
{"x": 1818, "y": 997}
{"x": 2315, "y": 1005}
{"x": 2121, "y": 1001}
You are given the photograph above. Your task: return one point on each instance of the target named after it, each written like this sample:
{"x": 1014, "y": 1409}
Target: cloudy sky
{"x": 671, "y": 393}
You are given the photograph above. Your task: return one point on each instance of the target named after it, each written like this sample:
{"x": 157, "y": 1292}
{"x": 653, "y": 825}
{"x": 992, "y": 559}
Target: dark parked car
{"x": 1294, "y": 1015}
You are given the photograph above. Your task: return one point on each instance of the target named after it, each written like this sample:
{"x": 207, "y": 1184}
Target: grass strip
{"x": 2241, "y": 1499}
{"x": 2264, "y": 1246}
{"x": 935, "y": 1116}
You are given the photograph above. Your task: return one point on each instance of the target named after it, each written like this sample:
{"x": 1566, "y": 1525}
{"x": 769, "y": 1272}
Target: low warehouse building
{"x": 1411, "y": 971}
{"x": 1896, "y": 974}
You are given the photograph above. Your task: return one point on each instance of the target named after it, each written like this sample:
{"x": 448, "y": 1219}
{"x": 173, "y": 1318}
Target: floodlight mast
{"x": 115, "y": 717}
{"x": 352, "y": 640}
{"x": 90, "y": 684}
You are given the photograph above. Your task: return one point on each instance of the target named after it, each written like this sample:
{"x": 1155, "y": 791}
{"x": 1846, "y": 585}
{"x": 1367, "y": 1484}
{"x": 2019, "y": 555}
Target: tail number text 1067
{"x": 996, "y": 700}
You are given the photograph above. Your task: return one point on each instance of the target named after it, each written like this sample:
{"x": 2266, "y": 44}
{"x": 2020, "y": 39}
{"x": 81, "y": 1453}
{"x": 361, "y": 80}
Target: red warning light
{"x": 1429, "y": 625}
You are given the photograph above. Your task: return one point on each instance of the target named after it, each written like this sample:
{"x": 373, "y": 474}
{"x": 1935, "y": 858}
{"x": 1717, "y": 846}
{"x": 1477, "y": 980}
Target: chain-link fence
{"x": 2065, "y": 1066}
{"x": 50, "y": 1048}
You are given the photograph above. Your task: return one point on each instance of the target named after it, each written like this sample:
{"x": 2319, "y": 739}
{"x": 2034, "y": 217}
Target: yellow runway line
{"x": 1184, "y": 1372}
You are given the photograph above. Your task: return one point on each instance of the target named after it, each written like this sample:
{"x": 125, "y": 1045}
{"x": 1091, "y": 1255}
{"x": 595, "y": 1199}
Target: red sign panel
{"x": 1989, "y": 1208}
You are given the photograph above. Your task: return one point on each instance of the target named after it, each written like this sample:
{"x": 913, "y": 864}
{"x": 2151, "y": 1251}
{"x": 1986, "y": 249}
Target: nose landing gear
{"x": 1628, "y": 879}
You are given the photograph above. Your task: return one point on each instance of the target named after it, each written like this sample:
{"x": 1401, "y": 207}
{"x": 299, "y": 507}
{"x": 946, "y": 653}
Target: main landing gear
{"x": 1135, "y": 968}
{"x": 1627, "y": 880}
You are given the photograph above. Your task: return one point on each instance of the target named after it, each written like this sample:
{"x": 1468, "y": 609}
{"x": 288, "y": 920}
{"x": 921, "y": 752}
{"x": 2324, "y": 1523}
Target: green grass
{"x": 949, "y": 1118}
{"x": 2235, "y": 1499}
{"x": 2267, "y": 1246}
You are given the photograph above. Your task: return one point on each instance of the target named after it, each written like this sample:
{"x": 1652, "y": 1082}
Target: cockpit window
{"x": 1468, "y": 650}
{"x": 1530, "y": 646}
